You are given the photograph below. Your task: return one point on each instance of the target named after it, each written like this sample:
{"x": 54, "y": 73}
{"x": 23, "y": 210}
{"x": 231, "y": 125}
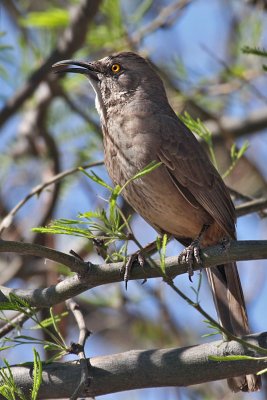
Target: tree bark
{"x": 138, "y": 369}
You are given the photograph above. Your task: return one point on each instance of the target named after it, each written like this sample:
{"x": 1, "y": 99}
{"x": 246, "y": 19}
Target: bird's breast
{"x": 130, "y": 143}
{"x": 153, "y": 196}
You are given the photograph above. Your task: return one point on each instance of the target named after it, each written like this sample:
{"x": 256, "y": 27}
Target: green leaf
{"x": 7, "y": 305}
{"x": 56, "y": 357}
{"x": 113, "y": 205}
{"x": 243, "y": 149}
{"x": 197, "y": 290}
{"x": 144, "y": 171}
{"x": 8, "y": 388}
{"x": 235, "y": 157}
{"x": 111, "y": 32}
{"x": 233, "y": 151}
{"x": 51, "y": 18}
{"x": 235, "y": 358}
{"x": 64, "y": 227}
{"x": 37, "y": 375}
{"x": 45, "y": 323}
{"x": 196, "y": 126}
{"x": 96, "y": 178}
{"x": 254, "y": 50}
{"x": 215, "y": 329}
{"x": 206, "y": 335}
{"x": 54, "y": 321}
{"x": 237, "y": 70}
{"x": 19, "y": 301}
{"x": 263, "y": 371}
{"x": 202, "y": 131}
{"x": 2, "y": 348}
{"x": 161, "y": 246}
{"x": 26, "y": 337}
{"x": 53, "y": 347}
{"x": 5, "y": 392}
{"x": 106, "y": 227}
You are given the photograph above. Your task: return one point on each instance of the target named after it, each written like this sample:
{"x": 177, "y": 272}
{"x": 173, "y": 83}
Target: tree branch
{"x": 251, "y": 206}
{"x": 169, "y": 12}
{"x": 78, "y": 348}
{"x": 70, "y": 41}
{"x": 236, "y": 127}
{"x": 89, "y": 275}
{"x": 6, "y": 222}
{"x": 138, "y": 369}
{"x": 15, "y": 322}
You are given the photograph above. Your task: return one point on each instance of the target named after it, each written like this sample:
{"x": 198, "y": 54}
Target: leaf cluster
{"x": 56, "y": 343}
{"x": 107, "y": 227}
{"x": 257, "y": 52}
{"x": 205, "y": 134}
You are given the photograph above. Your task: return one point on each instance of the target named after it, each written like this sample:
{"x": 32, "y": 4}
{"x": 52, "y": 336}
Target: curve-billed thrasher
{"x": 181, "y": 196}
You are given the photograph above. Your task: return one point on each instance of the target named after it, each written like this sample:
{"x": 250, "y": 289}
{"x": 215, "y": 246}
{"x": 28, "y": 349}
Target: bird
{"x": 185, "y": 197}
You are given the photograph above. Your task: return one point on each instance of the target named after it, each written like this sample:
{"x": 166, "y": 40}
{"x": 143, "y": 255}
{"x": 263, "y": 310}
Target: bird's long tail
{"x": 229, "y": 301}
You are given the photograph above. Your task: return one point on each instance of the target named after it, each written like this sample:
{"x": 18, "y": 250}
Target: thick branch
{"x": 138, "y": 369}
{"x": 90, "y": 275}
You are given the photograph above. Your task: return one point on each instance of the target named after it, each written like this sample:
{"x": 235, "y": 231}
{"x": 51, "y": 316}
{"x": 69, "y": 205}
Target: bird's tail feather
{"x": 229, "y": 301}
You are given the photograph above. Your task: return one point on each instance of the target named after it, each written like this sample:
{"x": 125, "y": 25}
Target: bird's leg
{"x": 192, "y": 253}
{"x": 138, "y": 256}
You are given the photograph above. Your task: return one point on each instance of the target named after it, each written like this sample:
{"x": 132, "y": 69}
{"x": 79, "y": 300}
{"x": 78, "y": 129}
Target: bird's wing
{"x": 193, "y": 173}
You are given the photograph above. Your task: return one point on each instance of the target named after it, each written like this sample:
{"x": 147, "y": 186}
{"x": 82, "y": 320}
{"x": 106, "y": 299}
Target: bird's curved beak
{"x": 80, "y": 67}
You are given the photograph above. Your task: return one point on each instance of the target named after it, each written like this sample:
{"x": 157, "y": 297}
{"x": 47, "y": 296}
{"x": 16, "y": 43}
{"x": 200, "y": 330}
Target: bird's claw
{"x": 190, "y": 255}
{"x": 127, "y": 267}
{"x": 141, "y": 259}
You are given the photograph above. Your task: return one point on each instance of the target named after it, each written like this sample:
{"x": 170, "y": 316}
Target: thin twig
{"x": 238, "y": 195}
{"x": 161, "y": 20}
{"x": 13, "y": 323}
{"x": 212, "y": 321}
{"x": 255, "y": 205}
{"x": 6, "y": 222}
{"x": 230, "y": 71}
{"x": 226, "y": 88}
{"x": 250, "y": 204}
{"x": 78, "y": 348}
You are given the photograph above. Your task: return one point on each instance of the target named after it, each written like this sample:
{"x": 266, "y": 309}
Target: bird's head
{"x": 115, "y": 78}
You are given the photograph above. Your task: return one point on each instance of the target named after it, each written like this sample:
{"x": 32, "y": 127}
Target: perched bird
{"x": 185, "y": 196}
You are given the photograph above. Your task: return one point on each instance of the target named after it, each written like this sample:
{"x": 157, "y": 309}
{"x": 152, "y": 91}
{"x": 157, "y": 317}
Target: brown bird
{"x": 182, "y": 197}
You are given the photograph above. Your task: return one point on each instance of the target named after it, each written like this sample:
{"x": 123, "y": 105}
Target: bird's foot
{"x": 190, "y": 255}
{"x": 136, "y": 257}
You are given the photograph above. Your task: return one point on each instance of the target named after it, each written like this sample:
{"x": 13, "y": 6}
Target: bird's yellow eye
{"x": 115, "y": 68}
